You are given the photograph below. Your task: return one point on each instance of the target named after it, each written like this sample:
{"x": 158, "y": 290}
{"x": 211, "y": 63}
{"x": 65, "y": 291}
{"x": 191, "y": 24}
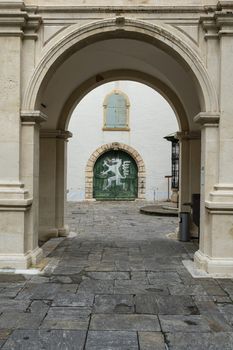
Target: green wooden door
{"x": 115, "y": 177}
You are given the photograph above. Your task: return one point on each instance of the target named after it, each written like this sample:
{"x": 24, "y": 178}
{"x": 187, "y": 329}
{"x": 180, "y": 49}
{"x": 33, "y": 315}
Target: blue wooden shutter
{"x": 116, "y": 114}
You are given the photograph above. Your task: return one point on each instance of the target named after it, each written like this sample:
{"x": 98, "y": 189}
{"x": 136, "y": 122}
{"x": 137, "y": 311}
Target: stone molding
{"x": 187, "y": 135}
{"x": 115, "y": 146}
{"x": 119, "y": 9}
{"x": 55, "y": 134}
{"x": 221, "y": 266}
{"x": 220, "y": 200}
{"x": 33, "y": 117}
{"x": 75, "y": 35}
{"x": 17, "y": 20}
{"x": 21, "y": 261}
{"x": 218, "y": 24}
{"x": 207, "y": 118}
{"x": 14, "y": 197}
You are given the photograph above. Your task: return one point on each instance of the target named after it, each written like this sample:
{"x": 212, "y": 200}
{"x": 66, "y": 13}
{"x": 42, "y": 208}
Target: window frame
{"x": 105, "y": 108}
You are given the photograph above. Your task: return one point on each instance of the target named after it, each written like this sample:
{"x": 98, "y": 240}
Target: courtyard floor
{"x": 117, "y": 283}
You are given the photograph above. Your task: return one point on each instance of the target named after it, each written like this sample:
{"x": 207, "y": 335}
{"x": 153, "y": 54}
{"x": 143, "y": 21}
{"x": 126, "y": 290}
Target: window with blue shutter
{"x": 116, "y": 111}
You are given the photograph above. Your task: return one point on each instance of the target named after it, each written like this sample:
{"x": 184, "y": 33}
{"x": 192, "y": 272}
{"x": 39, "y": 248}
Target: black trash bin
{"x": 184, "y": 234}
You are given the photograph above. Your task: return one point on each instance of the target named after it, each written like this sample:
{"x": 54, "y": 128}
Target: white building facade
{"x": 150, "y": 117}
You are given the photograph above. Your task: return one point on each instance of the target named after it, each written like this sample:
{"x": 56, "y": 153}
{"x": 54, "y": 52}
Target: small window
{"x": 116, "y": 111}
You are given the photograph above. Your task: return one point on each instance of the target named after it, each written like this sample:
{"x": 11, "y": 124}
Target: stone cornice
{"x": 12, "y": 5}
{"x": 16, "y": 21}
{"x": 127, "y": 9}
{"x": 11, "y": 23}
{"x": 188, "y": 135}
{"x": 209, "y": 25}
{"x": 15, "y": 204}
{"x": 225, "y": 4}
{"x": 55, "y": 134}
{"x": 14, "y": 197}
{"x": 218, "y": 24}
{"x": 207, "y": 118}
{"x": 224, "y": 21}
{"x": 33, "y": 116}
{"x": 221, "y": 199}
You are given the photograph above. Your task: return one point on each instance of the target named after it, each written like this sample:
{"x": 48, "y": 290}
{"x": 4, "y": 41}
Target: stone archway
{"x": 121, "y": 147}
{"x": 39, "y": 84}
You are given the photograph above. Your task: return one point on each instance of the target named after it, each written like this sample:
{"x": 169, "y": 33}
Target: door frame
{"x": 115, "y": 146}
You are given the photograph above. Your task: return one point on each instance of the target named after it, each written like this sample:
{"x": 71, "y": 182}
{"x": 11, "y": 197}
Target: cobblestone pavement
{"x": 118, "y": 285}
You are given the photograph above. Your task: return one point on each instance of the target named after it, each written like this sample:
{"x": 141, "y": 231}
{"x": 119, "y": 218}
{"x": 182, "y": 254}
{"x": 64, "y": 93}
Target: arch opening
{"x": 137, "y": 46}
{"x": 150, "y": 119}
{"x": 83, "y": 59}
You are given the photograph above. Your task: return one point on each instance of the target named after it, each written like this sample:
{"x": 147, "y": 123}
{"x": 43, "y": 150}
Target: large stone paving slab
{"x": 196, "y": 290}
{"x": 10, "y": 290}
{"x": 134, "y": 287}
{"x": 7, "y": 305}
{"x": 184, "y": 324}
{"x": 47, "y": 340}
{"x": 46, "y": 291}
{"x": 146, "y": 304}
{"x": 109, "y": 275}
{"x": 176, "y": 305}
{"x": 68, "y": 299}
{"x": 75, "y": 318}
{"x": 115, "y": 322}
{"x": 120, "y": 304}
{"x": 227, "y": 311}
{"x": 151, "y": 341}
{"x": 216, "y": 320}
{"x": 97, "y": 286}
{"x": 111, "y": 340}
{"x": 29, "y": 319}
{"x": 165, "y": 277}
{"x": 201, "y": 341}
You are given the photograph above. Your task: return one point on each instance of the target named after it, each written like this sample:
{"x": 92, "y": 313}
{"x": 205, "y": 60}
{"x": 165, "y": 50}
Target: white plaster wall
{"x": 151, "y": 118}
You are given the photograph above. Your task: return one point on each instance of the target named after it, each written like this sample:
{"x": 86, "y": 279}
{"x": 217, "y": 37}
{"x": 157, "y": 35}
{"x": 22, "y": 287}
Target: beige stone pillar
{"x": 47, "y": 186}
{"x": 15, "y": 200}
{"x": 189, "y": 172}
{"x": 209, "y": 177}
{"x": 29, "y": 174}
{"x": 216, "y": 253}
{"x": 195, "y": 170}
{"x": 61, "y": 181}
{"x": 184, "y": 189}
{"x": 52, "y": 183}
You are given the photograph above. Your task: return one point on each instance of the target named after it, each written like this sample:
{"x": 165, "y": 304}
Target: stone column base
{"x": 20, "y": 261}
{"x": 46, "y": 233}
{"x": 221, "y": 266}
{"x": 63, "y": 231}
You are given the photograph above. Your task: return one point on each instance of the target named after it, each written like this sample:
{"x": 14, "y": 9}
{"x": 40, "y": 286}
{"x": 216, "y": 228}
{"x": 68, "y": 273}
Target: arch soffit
{"x": 121, "y": 147}
{"x": 76, "y": 36}
{"x": 156, "y": 84}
